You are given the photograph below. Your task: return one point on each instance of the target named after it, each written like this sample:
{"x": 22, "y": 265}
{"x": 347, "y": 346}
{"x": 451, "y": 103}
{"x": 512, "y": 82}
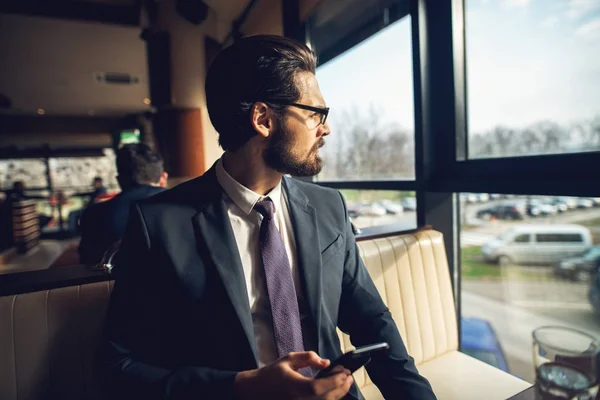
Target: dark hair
{"x": 138, "y": 164}
{"x": 98, "y": 179}
{"x": 257, "y": 68}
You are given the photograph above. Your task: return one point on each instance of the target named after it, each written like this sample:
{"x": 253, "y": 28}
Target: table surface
{"x": 527, "y": 394}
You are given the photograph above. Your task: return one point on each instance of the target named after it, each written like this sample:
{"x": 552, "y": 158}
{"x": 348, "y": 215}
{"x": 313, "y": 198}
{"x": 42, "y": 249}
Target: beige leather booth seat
{"x": 47, "y": 342}
{"x": 411, "y": 274}
{"x": 47, "y": 338}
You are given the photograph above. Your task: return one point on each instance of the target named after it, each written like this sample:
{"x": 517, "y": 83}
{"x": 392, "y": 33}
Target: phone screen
{"x": 354, "y": 359}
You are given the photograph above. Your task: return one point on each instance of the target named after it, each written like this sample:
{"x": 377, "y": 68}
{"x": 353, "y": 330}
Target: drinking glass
{"x": 566, "y": 364}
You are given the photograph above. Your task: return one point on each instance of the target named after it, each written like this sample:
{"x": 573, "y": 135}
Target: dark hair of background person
{"x": 98, "y": 179}
{"x": 257, "y": 68}
{"x": 137, "y": 164}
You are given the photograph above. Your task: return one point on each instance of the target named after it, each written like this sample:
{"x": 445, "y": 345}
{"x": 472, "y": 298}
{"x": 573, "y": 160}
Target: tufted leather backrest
{"x": 411, "y": 273}
{"x": 47, "y": 342}
{"x": 48, "y": 338}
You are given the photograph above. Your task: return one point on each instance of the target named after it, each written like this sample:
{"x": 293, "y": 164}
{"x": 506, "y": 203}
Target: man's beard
{"x": 279, "y": 155}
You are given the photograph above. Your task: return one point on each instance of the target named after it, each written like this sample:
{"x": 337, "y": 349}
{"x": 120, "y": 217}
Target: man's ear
{"x": 164, "y": 179}
{"x": 261, "y": 118}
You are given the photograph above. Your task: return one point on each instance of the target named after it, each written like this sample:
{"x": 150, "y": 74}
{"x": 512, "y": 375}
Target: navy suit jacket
{"x": 179, "y": 324}
{"x": 102, "y": 224}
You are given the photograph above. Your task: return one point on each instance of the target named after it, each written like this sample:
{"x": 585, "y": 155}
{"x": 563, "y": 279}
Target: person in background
{"x": 99, "y": 189}
{"x": 140, "y": 175}
{"x": 74, "y": 220}
{"x": 18, "y": 191}
{"x": 232, "y": 285}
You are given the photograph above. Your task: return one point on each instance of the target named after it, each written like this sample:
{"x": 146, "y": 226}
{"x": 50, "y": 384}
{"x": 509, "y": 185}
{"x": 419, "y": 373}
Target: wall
{"x": 56, "y": 140}
{"x": 50, "y": 64}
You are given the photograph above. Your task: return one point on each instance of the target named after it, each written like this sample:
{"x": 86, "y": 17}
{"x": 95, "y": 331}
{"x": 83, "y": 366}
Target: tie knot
{"x": 266, "y": 208}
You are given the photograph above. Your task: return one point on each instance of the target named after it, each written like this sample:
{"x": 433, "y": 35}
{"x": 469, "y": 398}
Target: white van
{"x": 537, "y": 244}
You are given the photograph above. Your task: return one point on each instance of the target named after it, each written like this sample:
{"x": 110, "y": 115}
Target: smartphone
{"x": 354, "y": 359}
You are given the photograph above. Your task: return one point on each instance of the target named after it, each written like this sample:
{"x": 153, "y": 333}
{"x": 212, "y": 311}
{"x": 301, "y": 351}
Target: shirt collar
{"x": 243, "y": 197}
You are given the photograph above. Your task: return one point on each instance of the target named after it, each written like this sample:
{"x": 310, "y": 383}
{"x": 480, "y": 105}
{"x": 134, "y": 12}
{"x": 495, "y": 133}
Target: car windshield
{"x": 506, "y": 235}
{"x": 487, "y": 357}
{"x": 592, "y": 253}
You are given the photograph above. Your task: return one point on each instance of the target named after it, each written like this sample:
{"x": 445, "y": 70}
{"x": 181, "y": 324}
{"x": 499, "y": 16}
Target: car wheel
{"x": 582, "y": 276}
{"x": 504, "y": 261}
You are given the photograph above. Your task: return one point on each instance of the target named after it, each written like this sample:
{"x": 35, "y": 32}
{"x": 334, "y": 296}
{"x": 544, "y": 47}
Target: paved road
{"x": 516, "y": 308}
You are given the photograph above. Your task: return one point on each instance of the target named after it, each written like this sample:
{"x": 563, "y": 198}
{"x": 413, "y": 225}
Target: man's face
{"x": 294, "y": 148}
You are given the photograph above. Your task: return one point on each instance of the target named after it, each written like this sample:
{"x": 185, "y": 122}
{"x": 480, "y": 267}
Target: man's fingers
{"x": 322, "y": 386}
{"x": 306, "y": 359}
{"x": 342, "y": 389}
{"x": 338, "y": 368}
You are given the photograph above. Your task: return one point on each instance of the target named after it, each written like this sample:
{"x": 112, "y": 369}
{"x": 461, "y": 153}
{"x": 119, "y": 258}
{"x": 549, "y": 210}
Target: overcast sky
{"x": 527, "y": 60}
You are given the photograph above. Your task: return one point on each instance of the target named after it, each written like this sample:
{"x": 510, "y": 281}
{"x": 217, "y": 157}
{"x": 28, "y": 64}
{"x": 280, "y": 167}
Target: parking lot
{"x": 518, "y": 298}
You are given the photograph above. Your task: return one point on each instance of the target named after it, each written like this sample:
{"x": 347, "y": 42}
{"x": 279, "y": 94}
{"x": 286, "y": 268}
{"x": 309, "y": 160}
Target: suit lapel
{"x": 306, "y": 232}
{"x": 212, "y": 224}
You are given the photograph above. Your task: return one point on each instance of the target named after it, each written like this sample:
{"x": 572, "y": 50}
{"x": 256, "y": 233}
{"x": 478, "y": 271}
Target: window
{"x": 370, "y": 92}
{"x": 77, "y": 173}
{"x": 517, "y": 288}
{"x": 533, "y": 70}
{"x": 558, "y": 238}
{"x": 32, "y": 172}
{"x": 523, "y": 238}
{"x": 487, "y": 357}
{"x": 381, "y": 207}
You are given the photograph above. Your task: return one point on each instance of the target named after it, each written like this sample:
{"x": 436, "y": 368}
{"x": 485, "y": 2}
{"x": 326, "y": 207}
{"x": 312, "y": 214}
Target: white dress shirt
{"x": 245, "y": 222}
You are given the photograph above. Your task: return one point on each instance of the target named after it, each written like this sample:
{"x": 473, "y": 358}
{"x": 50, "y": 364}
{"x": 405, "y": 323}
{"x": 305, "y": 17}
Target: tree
{"x": 367, "y": 147}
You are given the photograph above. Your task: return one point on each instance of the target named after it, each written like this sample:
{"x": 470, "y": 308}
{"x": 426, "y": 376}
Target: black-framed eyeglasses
{"x": 322, "y": 112}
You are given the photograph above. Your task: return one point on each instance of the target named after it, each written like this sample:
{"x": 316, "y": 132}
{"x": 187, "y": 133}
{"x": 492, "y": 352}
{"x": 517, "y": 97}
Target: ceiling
{"x": 49, "y": 64}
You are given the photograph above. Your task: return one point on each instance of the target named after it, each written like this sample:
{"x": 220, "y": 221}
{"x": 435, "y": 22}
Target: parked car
{"x": 594, "y": 290}
{"x": 579, "y": 268}
{"x": 538, "y": 207}
{"x": 478, "y": 339}
{"x": 371, "y": 210}
{"x": 391, "y": 207}
{"x": 483, "y": 197}
{"x": 537, "y": 244}
{"x": 472, "y": 198}
{"x": 409, "y": 203}
{"x": 560, "y": 204}
{"x": 500, "y": 211}
{"x": 353, "y": 210}
{"x": 585, "y": 202}
{"x": 571, "y": 201}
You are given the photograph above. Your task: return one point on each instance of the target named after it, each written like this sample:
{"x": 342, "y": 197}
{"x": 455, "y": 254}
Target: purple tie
{"x": 280, "y": 286}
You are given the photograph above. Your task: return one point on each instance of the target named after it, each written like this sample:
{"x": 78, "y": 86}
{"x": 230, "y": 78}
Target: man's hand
{"x": 281, "y": 380}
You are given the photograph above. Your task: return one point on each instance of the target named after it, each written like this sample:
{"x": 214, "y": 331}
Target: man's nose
{"x": 325, "y": 129}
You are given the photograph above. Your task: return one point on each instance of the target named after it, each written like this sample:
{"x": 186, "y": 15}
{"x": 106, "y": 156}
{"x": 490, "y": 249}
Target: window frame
{"x": 442, "y": 167}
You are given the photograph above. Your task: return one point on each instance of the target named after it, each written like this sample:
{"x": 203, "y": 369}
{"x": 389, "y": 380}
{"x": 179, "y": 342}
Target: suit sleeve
{"x": 365, "y": 317}
{"x": 127, "y": 356}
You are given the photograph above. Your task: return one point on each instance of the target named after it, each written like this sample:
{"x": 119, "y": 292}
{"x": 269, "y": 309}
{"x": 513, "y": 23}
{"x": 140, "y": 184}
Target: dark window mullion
{"x": 371, "y": 185}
